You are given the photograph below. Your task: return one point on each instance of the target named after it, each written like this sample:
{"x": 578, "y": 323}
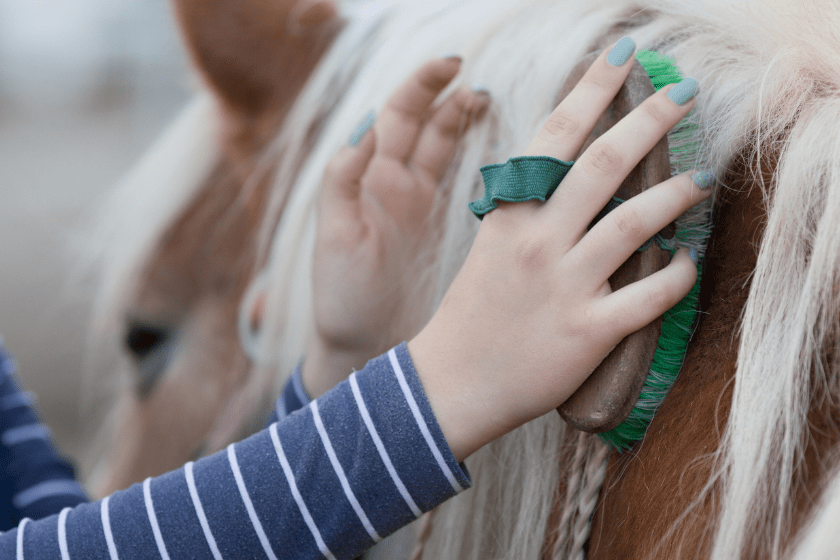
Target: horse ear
{"x": 255, "y": 55}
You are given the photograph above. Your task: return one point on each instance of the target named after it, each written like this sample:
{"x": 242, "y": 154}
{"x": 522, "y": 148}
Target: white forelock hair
{"x": 126, "y": 227}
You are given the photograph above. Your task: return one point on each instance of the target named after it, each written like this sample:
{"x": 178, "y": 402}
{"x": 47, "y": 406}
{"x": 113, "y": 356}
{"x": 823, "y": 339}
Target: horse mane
{"x": 781, "y": 92}
{"x": 129, "y": 220}
{"x": 820, "y": 539}
{"x": 769, "y": 92}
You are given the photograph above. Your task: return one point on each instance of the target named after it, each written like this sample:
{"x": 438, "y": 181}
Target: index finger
{"x": 570, "y": 124}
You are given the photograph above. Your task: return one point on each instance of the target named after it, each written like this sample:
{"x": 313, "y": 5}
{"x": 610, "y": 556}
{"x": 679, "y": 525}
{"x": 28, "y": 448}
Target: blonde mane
{"x": 770, "y": 88}
{"x": 767, "y": 73}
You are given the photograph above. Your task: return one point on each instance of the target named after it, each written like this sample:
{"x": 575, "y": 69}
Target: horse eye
{"x": 151, "y": 346}
{"x": 141, "y": 339}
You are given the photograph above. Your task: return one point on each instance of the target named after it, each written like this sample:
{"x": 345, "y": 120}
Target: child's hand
{"x": 375, "y": 220}
{"x": 531, "y": 313}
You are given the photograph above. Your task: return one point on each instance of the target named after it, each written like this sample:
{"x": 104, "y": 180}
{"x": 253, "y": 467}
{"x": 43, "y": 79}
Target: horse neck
{"x": 653, "y": 503}
{"x": 649, "y": 487}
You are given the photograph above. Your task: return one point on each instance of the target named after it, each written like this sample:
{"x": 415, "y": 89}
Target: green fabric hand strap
{"x": 536, "y": 178}
{"x": 520, "y": 179}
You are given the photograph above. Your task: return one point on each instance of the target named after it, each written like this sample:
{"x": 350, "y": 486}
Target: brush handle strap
{"x": 536, "y": 178}
{"x": 520, "y": 179}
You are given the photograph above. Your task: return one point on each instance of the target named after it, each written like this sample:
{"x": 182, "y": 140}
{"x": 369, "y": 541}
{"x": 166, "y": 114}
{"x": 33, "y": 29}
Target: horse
{"x": 737, "y": 458}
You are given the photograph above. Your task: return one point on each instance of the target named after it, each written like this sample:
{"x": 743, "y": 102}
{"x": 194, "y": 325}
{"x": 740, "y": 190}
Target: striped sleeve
{"x": 35, "y": 481}
{"x": 348, "y": 469}
{"x": 293, "y": 397}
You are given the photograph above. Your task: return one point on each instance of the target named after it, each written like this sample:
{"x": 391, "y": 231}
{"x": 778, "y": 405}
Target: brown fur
{"x": 648, "y": 488}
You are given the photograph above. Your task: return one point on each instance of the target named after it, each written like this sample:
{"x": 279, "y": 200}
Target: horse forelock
{"x": 125, "y": 231}
{"x": 130, "y": 219}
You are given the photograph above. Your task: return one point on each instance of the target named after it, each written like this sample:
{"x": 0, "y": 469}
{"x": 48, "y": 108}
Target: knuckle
{"x": 589, "y": 324}
{"x": 660, "y": 298}
{"x": 449, "y": 129}
{"x": 464, "y": 99}
{"x": 604, "y": 159}
{"x": 403, "y": 197}
{"x": 658, "y": 113}
{"x": 453, "y": 124}
{"x": 472, "y": 111}
{"x": 690, "y": 193}
{"x": 672, "y": 290}
{"x": 531, "y": 256}
{"x": 686, "y": 280}
{"x": 532, "y": 253}
{"x": 593, "y": 83}
{"x": 404, "y": 112}
{"x": 561, "y": 124}
{"x": 629, "y": 223}
{"x": 686, "y": 198}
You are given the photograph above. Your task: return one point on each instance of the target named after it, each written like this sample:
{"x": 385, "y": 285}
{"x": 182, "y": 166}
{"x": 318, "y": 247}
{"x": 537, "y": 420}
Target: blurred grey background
{"x": 85, "y": 88}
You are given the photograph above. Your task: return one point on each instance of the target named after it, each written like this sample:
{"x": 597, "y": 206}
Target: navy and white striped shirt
{"x": 329, "y": 480}
{"x": 35, "y": 481}
{"x": 292, "y": 398}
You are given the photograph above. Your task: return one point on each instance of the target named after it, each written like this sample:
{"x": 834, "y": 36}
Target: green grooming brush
{"x": 692, "y": 230}
{"x": 604, "y": 403}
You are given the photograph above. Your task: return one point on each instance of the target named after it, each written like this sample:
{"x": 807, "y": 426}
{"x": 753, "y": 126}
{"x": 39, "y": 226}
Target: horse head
{"x": 175, "y": 303}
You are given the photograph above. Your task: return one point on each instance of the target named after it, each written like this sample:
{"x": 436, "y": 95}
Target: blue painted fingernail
{"x": 684, "y": 91}
{"x": 478, "y": 87}
{"x": 621, "y": 52}
{"x": 703, "y": 179}
{"x": 451, "y": 56}
{"x": 694, "y": 255}
{"x": 362, "y": 129}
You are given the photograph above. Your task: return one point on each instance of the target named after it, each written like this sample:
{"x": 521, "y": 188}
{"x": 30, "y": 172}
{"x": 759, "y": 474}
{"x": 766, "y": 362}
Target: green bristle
{"x": 661, "y": 69}
{"x": 693, "y": 229}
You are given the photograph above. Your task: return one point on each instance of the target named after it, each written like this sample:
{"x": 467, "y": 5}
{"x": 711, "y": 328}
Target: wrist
{"x": 325, "y": 366}
{"x": 468, "y": 414}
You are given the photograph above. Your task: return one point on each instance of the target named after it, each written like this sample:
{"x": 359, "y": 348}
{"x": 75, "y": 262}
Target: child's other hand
{"x": 375, "y": 221}
{"x": 531, "y": 313}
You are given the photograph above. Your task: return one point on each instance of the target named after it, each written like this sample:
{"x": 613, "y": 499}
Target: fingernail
{"x": 684, "y": 91}
{"x": 703, "y": 179}
{"x": 621, "y": 52}
{"x": 478, "y": 87}
{"x": 451, "y": 56}
{"x": 694, "y": 255}
{"x": 362, "y": 129}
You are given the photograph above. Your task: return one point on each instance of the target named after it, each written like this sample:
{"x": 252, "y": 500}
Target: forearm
{"x": 35, "y": 480}
{"x": 392, "y": 476}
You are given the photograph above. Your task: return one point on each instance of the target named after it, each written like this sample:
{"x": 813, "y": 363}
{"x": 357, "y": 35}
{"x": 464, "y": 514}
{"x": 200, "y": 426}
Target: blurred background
{"x": 85, "y": 87}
